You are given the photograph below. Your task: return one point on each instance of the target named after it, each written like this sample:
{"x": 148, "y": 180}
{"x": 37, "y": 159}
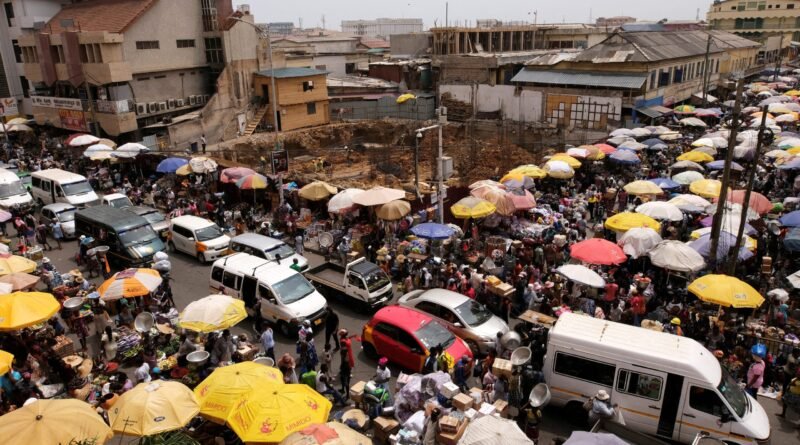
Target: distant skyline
{"x": 465, "y": 12}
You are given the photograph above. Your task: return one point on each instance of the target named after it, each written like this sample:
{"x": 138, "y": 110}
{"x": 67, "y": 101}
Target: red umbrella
{"x": 605, "y": 148}
{"x": 758, "y": 202}
{"x": 598, "y": 251}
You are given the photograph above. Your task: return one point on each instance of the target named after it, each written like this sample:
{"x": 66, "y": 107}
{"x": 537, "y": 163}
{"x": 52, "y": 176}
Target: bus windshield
{"x": 12, "y": 189}
{"x": 139, "y": 235}
{"x": 77, "y": 188}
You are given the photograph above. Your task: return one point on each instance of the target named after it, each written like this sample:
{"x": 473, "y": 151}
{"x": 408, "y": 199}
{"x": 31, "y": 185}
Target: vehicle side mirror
{"x": 458, "y": 324}
{"x": 726, "y": 417}
{"x": 191, "y": 238}
{"x": 272, "y": 300}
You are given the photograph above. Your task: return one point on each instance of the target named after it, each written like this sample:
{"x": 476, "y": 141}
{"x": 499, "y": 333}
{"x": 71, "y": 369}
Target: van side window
{"x": 265, "y": 293}
{"x": 707, "y": 401}
{"x": 216, "y": 274}
{"x": 642, "y": 385}
{"x": 231, "y": 281}
{"x": 46, "y": 186}
{"x": 585, "y": 369}
{"x": 36, "y": 182}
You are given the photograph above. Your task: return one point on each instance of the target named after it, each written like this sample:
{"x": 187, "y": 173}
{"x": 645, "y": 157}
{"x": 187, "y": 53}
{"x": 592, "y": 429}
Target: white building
{"x": 382, "y": 27}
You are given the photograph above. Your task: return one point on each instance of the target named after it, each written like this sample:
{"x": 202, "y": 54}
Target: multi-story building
{"x": 123, "y": 65}
{"x": 279, "y": 28}
{"x": 614, "y": 22}
{"x": 381, "y": 27}
{"x": 774, "y": 23}
{"x": 20, "y": 16}
{"x": 302, "y": 96}
{"x": 336, "y": 52}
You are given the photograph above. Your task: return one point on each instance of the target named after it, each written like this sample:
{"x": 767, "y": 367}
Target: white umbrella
{"x": 690, "y": 203}
{"x": 660, "y": 210}
{"x": 786, "y": 118}
{"x": 559, "y": 169}
{"x": 578, "y": 152}
{"x": 670, "y": 136}
{"x": 638, "y": 241}
{"x": 343, "y": 201}
{"x": 776, "y": 154}
{"x": 378, "y": 196}
{"x": 632, "y": 145}
{"x": 84, "y": 139}
{"x": 130, "y": 150}
{"x": 619, "y": 140}
{"x": 687, "y": 177}
{"x": 733, "y": 210}
{"x": 691, "y": 165}
{"x": 491, "y": 430}
{"x": 779, "y": 294}
{"x": 693, "y": 122}
{"x": 98, "y": 151}
{"x": 676, "y": 256}
{"x": 703, "y": 142}
{"x": 582, "y": 275}
{"x": 202, "y": 164}
{"x": 640, "y": 132}
{"x": 19, "y": 127}
{"x": 621, "y": 132}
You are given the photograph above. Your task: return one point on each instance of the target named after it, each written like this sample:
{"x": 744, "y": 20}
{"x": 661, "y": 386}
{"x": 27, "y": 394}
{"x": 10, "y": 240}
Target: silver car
{"x": 466, "y": 318}
{"x": 65, "y": 214}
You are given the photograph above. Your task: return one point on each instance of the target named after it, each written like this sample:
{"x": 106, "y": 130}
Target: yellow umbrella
{"x": 6, "y": 360}
{"x": 695, "y": 156}
{"x": 184, "y": 170}
{"x": 317, "y": 191}
{"x": 793, "y": 151}
{"x": 572, "y": 162}
{"x": 153, "y": 408}
{"x": 594, "y": 153}
{"x": 17, "y": 121}
{"x": 394, "y": 210}
{"x": 643, "y": 188}
{"x": 212, "y": 313}
{"x": 758, "y": 114}
{"x": 498, "y": 197}
{"x": 220, "y": 391}
{"x": 622, "y": 222}
{"x": 55, "y": 421}
{"x": 331, "y": 433}
{"x": 792, "y": 93}
{"x": 22, "y": 309}
{"x": 707, "y": 188}
{"x": 726, "y": 291}
{"x": 532, "y": 171}
{"x": 269, "y": 416}
{"x": 472, "y": 207}
{"x": 14, "y": 264}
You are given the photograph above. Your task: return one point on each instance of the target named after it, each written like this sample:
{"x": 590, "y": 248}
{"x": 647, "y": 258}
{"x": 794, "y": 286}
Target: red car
{"x": 405, "y": 337}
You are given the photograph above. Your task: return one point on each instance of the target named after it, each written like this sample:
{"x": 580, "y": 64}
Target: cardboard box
{"x": 463, "y": 402}
{"x": 448, "y": 424}
{"x": 486, "y": 410}
{"x": 385, "y": 427}
{"x": 501, "y": 367}
{"x": 450, "y": 390}
{"x": 470, "y": 414}
{"x": 451, "y": 438}
{"x": 357, "y": 391}
{"x": 501, "y": 407}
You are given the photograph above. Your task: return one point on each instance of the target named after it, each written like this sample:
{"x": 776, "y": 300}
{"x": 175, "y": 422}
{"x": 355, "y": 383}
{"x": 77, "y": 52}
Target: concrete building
{"x": 302, "y": 96}
{"x": 133, "y": 66}
{"x": 336, "y": 52}
{"x": 774, "y": 23}
{"x": 508, "y": 39}
{"x": 382, "y": 27}
{"x": 20, "y": 16}
{"x": 614, "y": 22}
{"x": 279, "y": 28}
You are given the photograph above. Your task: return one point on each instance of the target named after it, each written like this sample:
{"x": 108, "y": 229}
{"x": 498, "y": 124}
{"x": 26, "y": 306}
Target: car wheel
{"x": 283, "y": 327}
{"x": 369, "y": 350}
{"x": 201, "y": 257}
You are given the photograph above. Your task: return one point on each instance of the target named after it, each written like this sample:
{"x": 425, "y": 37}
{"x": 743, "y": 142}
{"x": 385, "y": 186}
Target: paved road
{"x": 191, "y": 283}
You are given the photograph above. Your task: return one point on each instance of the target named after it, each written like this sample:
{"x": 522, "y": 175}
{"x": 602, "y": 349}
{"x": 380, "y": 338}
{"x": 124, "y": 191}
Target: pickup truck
{"x": 360, "y": 280}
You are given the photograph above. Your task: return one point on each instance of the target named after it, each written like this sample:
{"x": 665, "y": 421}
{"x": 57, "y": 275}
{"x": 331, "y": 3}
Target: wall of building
{"x": 410, "y": 45}
{"x": 423, "y": 108}
{"x": 178, "y": 84}
{"x": 297, "y": 116}
{"x": 502, "y": 99}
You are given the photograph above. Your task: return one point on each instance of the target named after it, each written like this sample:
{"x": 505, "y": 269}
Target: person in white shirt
{"x": 322, "y": 386}
{"x": 142, "y": 372}
{"x": 268, "y": 342}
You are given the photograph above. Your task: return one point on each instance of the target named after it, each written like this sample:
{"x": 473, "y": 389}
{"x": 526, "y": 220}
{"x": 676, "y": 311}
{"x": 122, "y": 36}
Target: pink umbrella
{"x": 233, "y": 174}
{"x": 524, "y": 201}
{"x": 758, "y": 202}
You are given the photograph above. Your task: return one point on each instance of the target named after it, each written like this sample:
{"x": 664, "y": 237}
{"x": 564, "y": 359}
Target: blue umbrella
{"x": 727, "y": 241}
{"x": 719, "y": 165}
{"x": 791, "y": 219}
{"x": 625, "y": 157}
{"x": 792, "y": 240}
{"x": 652, "y": 141}
{"x": 666, "y": 183}
{"x": 432, "y": 231}
{"x": 169, "y": 165}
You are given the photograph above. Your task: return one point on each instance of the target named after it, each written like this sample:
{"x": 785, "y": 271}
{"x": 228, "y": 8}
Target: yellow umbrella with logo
{"x": 472, "y": 207}
{"x": 219, "y": 393}
{"x": 726, "y": 291}
{"x": 16, "y": 263}
{"x": 707, "y": 188}
{"x": 212, "y": 313}
{"x": 153, "y": 408}
{"x": 22, "y": 309}
{"x": 56, "y": 421}
{"x": 622, "y": 222}
{"x": 695, "y": 156}
{"x": 6, "y": 360}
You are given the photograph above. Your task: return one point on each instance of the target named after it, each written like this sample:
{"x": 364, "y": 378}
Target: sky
{"x": 464, "y": 12}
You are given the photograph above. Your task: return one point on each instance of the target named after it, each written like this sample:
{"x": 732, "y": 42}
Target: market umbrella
{"x": 693, "y": 122}
{"x": 514, "y": 181}
{"x": 491, "y": 430}
{"x": 498, "y": 197}
{"x": 130, "y": 283}
{"x": 638, "y": 241}
{"x": 597, "y": 251}
{"x": 530, "y": 170}
{"x": 23, "y": 309}
{"x": 98, "y": 151}
{"x": 689, "y": 165}
{"x": 184, "y": 170}
{"x": 643, "y": 188}
{"x": 670, "y": 136}
{"x": 660, "y": 210}
{"x": 631, "y": 145}
{"x": 82, "y": 139}
{"x": 719, "y": 165}
{"x": 20, "y": 280}
{"x": 563, "y": 157}
{"x": 252, "y": 182}
{"x": 791, "y": 219}
{"x": 622, "y": 222}
{"x": 515, "y": 176}
{"x": 577, "y": 152}
{"x": 684, "y": 109}
{"x": 219, "y": 393}
{"x": 212, "y": 313}
{"x": 582, "y": 275}
{"x": 726, "y": 241}
{"x": 676, "y": 256}
{"x": 688, "y": 177}
{"x": 153, "y": 408}
{"x": 6, "y": 361}
{"x": 130, "y": 150}
{"x": 394, "y": 210}
{"x": 655, "y": 144}
{"x": 758, "y": 202}
{"x": 432, "y": 231}
{"x": 703, "y": 142}
{"x": 233, "y": 174}
{"x": 170, "y": 165}
{"x": 522, "y": 200}
{"x": 695, "y": 156}
{"x": 378, "y": 196}
{"x": 202, "y": 164}
{"x": 777, "y": 154}
{"x": 707, "y": 188}
{"x": 472, "y": 207}
{"x": 621, "y": 132}
{"x": 730, "y": 223}
{"x": 317, "y": 191}
{"x": 590, "y": 438}
{"x": 269, "y": 416}
{"x": 19, "y": 128}
{"x": 605, "y": 148}
{"x": 17, "y": 121}
{"x": 749, "y": 243}
{"x": 734, "y": 210}
{"x": 331, "y": 433}
{"x": 791, "y": 242}
{"x": 625, "y": 157}
{"x": 711, "y": 151}
{"x": 342, "y": 202}
{"x": 489, "y": 182}
{"x": 690, "y": 203}
{"x": 725, "y": 291}
{"x": 54, "y": 421}
{"x": 558, "y": 169}
{"x": 16, "y": 263}
{"x": 665, "y": 183}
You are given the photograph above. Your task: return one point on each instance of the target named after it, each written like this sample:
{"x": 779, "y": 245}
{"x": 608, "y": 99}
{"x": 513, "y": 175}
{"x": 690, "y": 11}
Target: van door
{"x": 180, "y": 239}
{"x": 249, "y": 285}
{"x": 639, "y": 393}
{"x": 670, "y": 406}
{"x": 703, "y": 410}
{"x": 232, "y": 284}
{"x": 269, "y": 303}
{"x": 357, "y": 288}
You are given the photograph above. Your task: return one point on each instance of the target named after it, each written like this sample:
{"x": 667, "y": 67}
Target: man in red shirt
{"x": 638, "y": 308}
{"x": 611, "y": 291}
{"x": 347, "y": 360}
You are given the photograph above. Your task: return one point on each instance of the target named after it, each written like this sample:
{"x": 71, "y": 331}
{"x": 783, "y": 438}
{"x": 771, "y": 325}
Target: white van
{"x": 198, "y": 237}
{"x": 12, "y": 191}
{"x": 56, "y": 185}
{"x": 666, "y": 385}
{"x": 116, "y": 200}
{"x": 287, "y": 297}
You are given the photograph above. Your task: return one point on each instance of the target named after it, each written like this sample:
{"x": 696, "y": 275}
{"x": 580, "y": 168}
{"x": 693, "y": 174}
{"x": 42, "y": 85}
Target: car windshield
{"x": 76, "y": 188}
{"x": 66, "y": 215}
{"x": 12, "y": 189}
{"x": 153, "y": 217}
{"x": 473, "y": 313}
{"x": 376, "y": 280}
{"x": 433, "y": 334}
{"x": 120, "y": 203}
{"x": 208, "y": 233}
{"x": 139, "y": 235}
{"x": 293, "y": 288}
{"x": 733, "y": 394}
{"x": 282, "y": 249}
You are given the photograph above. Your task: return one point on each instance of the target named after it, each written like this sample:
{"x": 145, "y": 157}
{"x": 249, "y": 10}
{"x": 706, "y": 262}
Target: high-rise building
{"x": 775, "y": 23}
{"x": 382, "y": 27}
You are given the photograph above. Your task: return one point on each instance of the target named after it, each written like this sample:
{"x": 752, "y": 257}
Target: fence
{"x": 421, "y": 108}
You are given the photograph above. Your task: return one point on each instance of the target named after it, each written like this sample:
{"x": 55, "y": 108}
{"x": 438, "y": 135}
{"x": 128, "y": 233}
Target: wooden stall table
{"x": 534, "y": 317}
{"x": 246, "y": 353}
{"x": 417, "y": 257}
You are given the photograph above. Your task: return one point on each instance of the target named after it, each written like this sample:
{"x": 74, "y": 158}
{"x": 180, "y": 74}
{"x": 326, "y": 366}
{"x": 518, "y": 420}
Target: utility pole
{"x": 706, "y": 71}
{"x": 734, "y": 255}
{"x": 726, "y": 175}
{"x": 778, "y": 62}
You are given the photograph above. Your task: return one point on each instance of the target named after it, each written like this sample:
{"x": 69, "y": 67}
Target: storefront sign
{"x": 8, "y": 107}
{"x": 57, "y": 102}
{"x": 73, "y": 120}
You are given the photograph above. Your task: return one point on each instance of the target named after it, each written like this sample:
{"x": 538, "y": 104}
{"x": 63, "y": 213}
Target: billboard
{"x": 8, "y": 107}
{"x": 73, "y": 120}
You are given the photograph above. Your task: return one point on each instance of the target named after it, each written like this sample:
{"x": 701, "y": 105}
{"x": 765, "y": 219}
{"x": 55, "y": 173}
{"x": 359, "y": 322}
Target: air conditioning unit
{"x": 192, "y": 100}
{"x": 152, "y": 107}
{"x": 206, "y": 98}
{"x": 199, "y": 99}
{"x": 141, "y": 108}
{"x": 171, "y": 104}
{"x": 162, "y": 106}
{"x": 179, "y": 103}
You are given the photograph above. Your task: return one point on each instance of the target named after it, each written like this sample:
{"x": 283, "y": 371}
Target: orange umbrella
{"x": 758, "y": 202}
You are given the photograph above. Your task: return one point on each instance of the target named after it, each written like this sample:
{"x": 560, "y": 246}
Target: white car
{"x": 65, "y": 214}
{"x": 198, "y": 237}
{"x": 268, "y": 248}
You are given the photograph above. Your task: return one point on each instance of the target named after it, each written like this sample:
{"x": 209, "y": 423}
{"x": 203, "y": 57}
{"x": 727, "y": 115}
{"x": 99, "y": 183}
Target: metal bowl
{"x": 198, "y": 358}
{"x": 73, "y": 303}
{"x": 511, "y": 340}
{"x": 521, "y": 355}
{"x": 266, "y": 361}
{"x": 144, "y": 322}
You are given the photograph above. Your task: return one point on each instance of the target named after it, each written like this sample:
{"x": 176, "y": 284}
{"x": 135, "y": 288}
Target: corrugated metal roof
{"x": 283, "y": 73}
{"x": 608, "y": 80}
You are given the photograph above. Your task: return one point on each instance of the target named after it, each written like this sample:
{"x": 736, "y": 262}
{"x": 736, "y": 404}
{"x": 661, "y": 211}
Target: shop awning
{"x": 654, "y": 111}
{"x": 580, "y": 78}
{"x": 709, "y": 98}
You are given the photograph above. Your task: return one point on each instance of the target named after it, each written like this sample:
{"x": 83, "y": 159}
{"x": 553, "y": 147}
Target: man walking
{"x": 203, "y": 142}
{"x": 331, "y": 328}
{"x": 268, "y": 342}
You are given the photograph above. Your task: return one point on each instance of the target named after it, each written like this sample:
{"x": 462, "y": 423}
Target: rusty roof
{"x": 98, "y": 15}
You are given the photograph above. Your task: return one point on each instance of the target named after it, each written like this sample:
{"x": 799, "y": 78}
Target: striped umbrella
{"x": 130, "y": 283}
{"x": 252, "y": 182}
